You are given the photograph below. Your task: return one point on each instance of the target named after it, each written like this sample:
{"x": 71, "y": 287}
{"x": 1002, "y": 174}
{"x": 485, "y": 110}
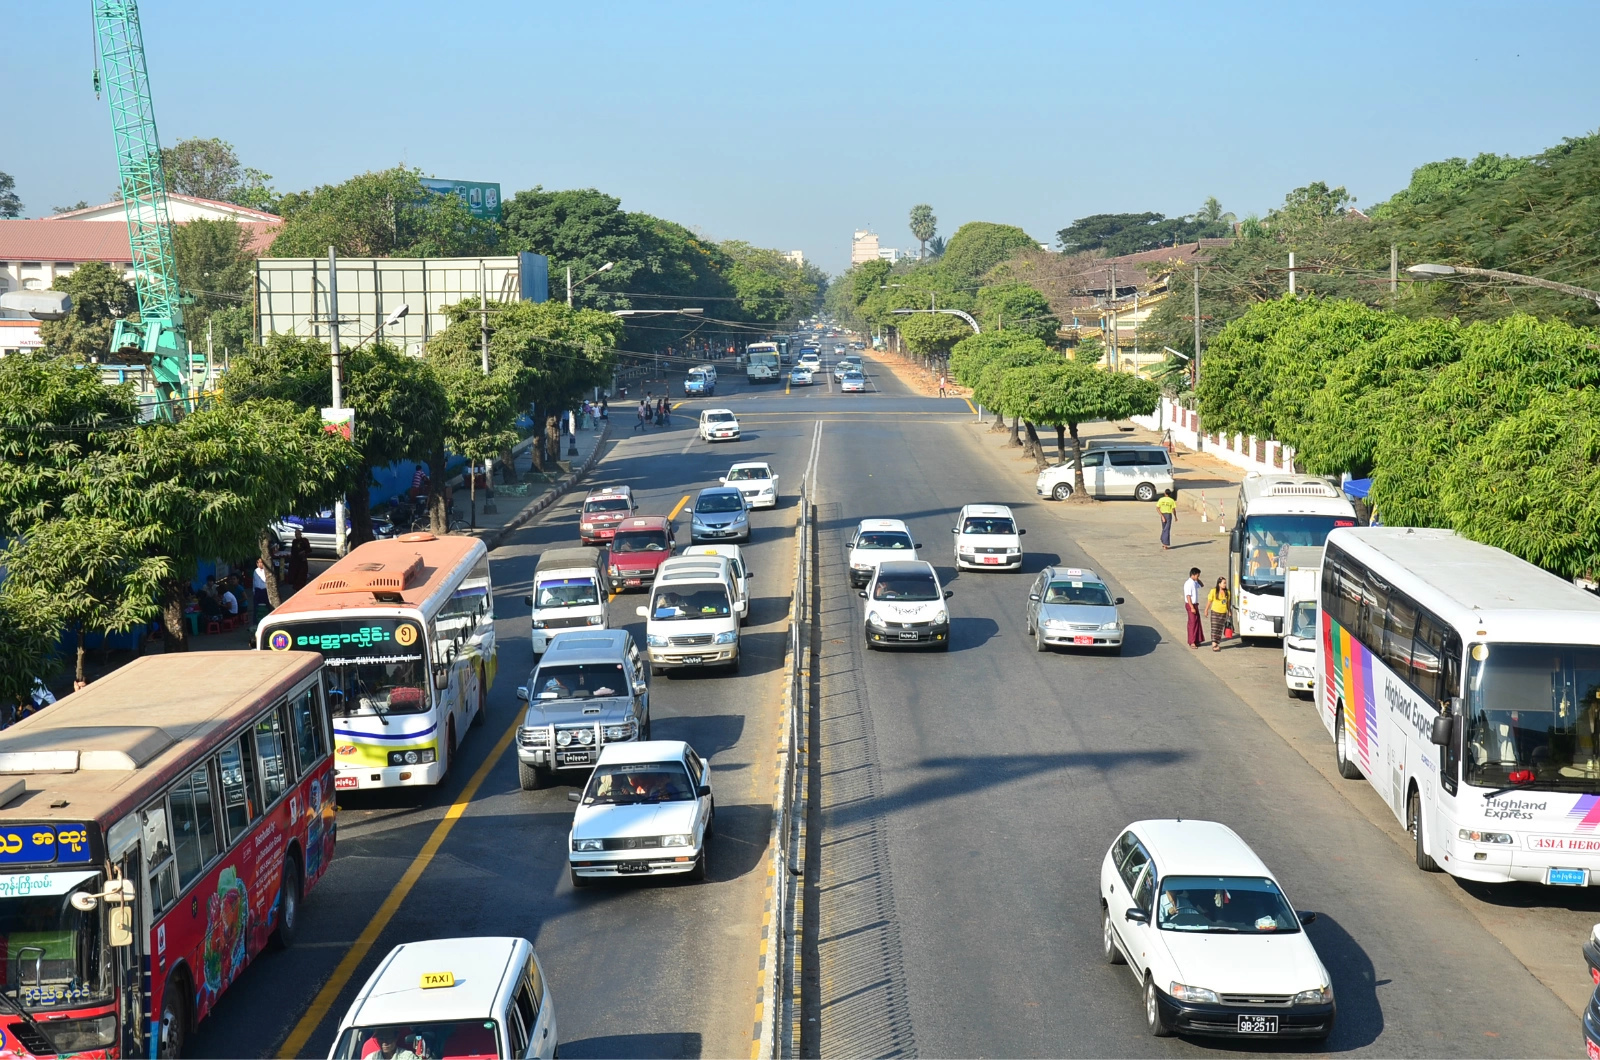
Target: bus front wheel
{"x": 174, "y": 1029}
{"x": 1414, "y": 819}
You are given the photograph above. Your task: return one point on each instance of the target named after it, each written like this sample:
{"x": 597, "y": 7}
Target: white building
{"x": 863, "y": 247}
{"x": 890, "y": 254}
{"x": 797, "y": 256}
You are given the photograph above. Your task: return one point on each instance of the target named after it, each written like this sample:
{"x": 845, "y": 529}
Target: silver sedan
{"x": 1070, "y": 607}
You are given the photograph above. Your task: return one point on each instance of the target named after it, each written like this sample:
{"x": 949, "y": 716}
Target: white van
{"x": 691, "y": 565}
{"x": 987, "y": 538}
{"x": 570, "y": 591}
{"x": 475, "y": 997}
{"x": 690, "y": 621}
{"x": 1302, "y": 591}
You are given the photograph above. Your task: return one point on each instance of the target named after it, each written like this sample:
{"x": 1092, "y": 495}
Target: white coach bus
{"x": 1464, "y": 683}
{"x": 1273, "y": 512}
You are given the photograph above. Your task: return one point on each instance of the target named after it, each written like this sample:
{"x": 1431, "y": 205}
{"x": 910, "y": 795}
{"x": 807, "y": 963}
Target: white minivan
{"x": 697, "y": 567}
{"x": 570, "y": 591}
{"x": 987, "y": 538}
{"x": 736, "y": 565}
{"x": 691, "y": 622}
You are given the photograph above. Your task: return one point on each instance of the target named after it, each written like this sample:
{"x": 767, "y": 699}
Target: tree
{"x": 1066, "y": 394}
{"x": 10, "y": 204}
{"x": 978, "y": 361}
{"x": 210, "y": 169}
{"x": 979, "y": 246}
{"x": 933, "y": 335}
{"x": 99, "y": 296}
{"x": 1017, "y": 307}
{"x": 1115, "y": 233}
{"x": 28, "y": 649}
{"x": 387, "y": 214}
{"x": 936, "y": 247}
{"x": 217, "y": 270}
{"x": 923, "y": 227}
{"x": 82, "y": 204}
{"x": 95, "y": 572}
{"x": 1451, "y": 178}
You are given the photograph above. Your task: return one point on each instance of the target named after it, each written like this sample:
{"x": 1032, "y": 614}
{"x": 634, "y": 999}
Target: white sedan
{"x": 756, "y": 480}
{"x": 853, "y": 383}
{"x": 1210, "y": 937}
{"x": 646, "y": 811}
{"x": 801, "y": 374}
{"x": 719, "y": 425}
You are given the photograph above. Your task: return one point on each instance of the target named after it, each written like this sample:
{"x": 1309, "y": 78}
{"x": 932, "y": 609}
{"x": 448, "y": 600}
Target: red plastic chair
{"x": 213, "y": 626}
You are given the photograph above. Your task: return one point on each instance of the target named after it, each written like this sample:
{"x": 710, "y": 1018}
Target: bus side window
{"x": 480, "y": 576}
{"x": 157, "y": 842}
{"x": 1425, "y": 652}
{"x": 240, "y": 804}
{"x": 1400, "y": 628}
{"x": 275, "y": 767}
{"x": 307, "y": 726}
{"x": 1374, "y": 614}
{"x": 194, "y": 825}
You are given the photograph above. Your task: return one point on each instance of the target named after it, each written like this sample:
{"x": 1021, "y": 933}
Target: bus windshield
{"x": 54, "y": 954}
{"x": 1533, "y": 717}
{"x": 375, "y": 666}
{"x": 1266, "y": 536}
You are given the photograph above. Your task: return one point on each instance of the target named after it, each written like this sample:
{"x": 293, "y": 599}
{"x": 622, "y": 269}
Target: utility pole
{"x": 1394, "y": 269}
{"x": 483, "y": 328}
{"x": 1199, "y": 438}
{"x": 1111, "y": 307}
{"x": 339, "y": 541}
{"x": 569, "y": 286}
{"x": 209, "y": 384}
{"x": 1291, "y": 272}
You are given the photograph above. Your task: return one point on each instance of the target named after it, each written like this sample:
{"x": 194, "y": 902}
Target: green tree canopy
{"x": 387, "y": 214}
{"x": 10, "y": 204}
{"x": 1065, "y": 394}
{"x": 99, "y": 296}
{"x": 979, "y": 246}
{"x": 217, "y": 271}
{"x": 1017, "y": 307}
{"x": 933, "y": 334}
{"x": 210, "y": 169}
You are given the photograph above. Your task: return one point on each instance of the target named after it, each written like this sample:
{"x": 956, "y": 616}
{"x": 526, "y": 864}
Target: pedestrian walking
{"x": 1167, "y": 508}
{"x": 639, "y": 426}
{"x": 941, "y": 384}
{"x": 1193, "y": 600}
{"x": 605, "y": 409}
{"x": 666, "y": 413}
{"x": 1218, "y": 602}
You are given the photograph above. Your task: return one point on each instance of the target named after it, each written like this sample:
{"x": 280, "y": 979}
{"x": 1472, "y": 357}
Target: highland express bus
{"x": 157, "y": 830}
{"x": 1464, "y": 683}
{"x": 1274, "y": 511}
{"x": 406, "y": 627}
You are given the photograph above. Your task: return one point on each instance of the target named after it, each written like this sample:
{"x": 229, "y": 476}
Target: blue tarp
{"x": 1358, "y": 487}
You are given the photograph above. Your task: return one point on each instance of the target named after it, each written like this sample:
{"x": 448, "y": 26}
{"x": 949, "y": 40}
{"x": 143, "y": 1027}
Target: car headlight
{"x": 697, "y": 520}
{"x": 653, "y": 641}
{"x": 411, "y": 758}
{"x": 679, "y": 840}
{"x": 584, "y": 736}
{"x": 586, "y": 526}
{"x": 1112, "y": 625}
{"x": 1322, "y": 995}
{"x": 1471, "y": 836}
{"x": 1197, "y": 995}
{"x": 538, "y": 623}
{"x": 860, "y": 566}
{"x": 619, "y": 732}
{"x": 563, "y": 738}
{"x": 595, "y": 620}
{"x": 874, "y": 619}
{"x": 741, "y": 517}
{"x": 1055, "y": 623}
{"x": 1296, "y": 670}
{"x": 942, "y": 616}
{"x": 614, "y": 572}
{"x": 587, "y": 845}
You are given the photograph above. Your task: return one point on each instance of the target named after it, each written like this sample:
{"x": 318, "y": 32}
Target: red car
{"x": 602, "y": 511}
{"x": 639, "y": 548}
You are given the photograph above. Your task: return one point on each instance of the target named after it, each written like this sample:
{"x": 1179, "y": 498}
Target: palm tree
{"x": 923, "y": 226}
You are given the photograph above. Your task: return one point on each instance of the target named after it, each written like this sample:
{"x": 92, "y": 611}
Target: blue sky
{"x": 790, "y": 125}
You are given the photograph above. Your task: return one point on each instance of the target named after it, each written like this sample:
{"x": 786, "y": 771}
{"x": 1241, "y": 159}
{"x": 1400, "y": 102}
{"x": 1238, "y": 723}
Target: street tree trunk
{"x": 999, "y": 423}
{"x": 552, "y": 440}
{"x": 1016, "y": 422}
{"x": 174, "y": 628}
{"x": 1061, "y": 443}
{"x": 438, "y": 506}
{"x": 508, "y": 466}
{"x": 1033, "y": 448}
{"x": 1079, "y": 492}
{"x": 536, "y": 443}
{"x": 80, "y": 676}
{"x": 274, "y": 591}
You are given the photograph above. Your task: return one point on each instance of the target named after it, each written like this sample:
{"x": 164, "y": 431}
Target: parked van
{"x": 570, "y": 590}
{"x": 1142, "y": 472}
{"x": 1302, "y": 589}
{"x": 691, "y": 622}
{"x": 694, "y": 566}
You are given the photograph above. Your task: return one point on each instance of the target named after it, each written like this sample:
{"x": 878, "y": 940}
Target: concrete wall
{"x": 1242, "y": 451}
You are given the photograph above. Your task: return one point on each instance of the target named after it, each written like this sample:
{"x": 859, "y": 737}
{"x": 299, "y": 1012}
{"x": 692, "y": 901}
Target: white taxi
{"x": 877, "y": 540}
{"x": 719, "y": 425}
{"x": 646, "y": 811}
{"x": 477, "y": 997}
{"x": 756, "y": 480}
{"x": 1210, "y": 936}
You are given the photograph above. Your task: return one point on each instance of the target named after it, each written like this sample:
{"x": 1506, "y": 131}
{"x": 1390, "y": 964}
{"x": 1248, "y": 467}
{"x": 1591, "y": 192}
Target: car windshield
{"x": 579, "y": 680}
{"x": 719, "y": 502}
{"x": 741, "y": 474}
{"x": 606, "y": 504}
{"x": 683, "y": 604}
{"x": 568, "y": 592}
{"x": 446, "y": 1039}
{"x": 56, "y": 955}
{"x": 988, "y": 524}
{"x": 1303, "y": 623}
{"x": 1265, "y": 538}
{"x": 884, "y": 539}
{"x": 1091, "y": 593}
{"x": 639, "y": 782}
{"x": 907, "y": 588}
{"x": 640, "y": 541}
{"x": 1234, "y": 905}
{"x": 719, "y": 417}
{"x": 1533, "y": 717}
{"x": 854, "y": 377}
{"x": 373, "y": 665}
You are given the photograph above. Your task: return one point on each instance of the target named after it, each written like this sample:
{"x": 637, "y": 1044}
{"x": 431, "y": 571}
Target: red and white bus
{"x": 157, "y": 830}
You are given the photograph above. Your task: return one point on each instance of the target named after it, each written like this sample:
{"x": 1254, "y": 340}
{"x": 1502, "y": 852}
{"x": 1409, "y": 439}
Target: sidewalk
{"x": 913, "y": 375}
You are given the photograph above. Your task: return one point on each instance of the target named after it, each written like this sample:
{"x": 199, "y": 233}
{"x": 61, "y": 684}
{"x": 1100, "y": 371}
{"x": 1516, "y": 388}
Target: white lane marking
{"x": 810, "y": 476}
{"x": 690, "y": 443}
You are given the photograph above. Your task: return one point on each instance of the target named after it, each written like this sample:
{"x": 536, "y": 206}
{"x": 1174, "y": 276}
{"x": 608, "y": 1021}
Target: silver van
{"x": 1142, "y": 472}
{"x": 589, "y": 690}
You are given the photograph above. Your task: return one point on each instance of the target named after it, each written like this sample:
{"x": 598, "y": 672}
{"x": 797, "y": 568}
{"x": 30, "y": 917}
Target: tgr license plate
{"x": 1566, "y": 877}
{"x": 633, "y": 582}
{"x": 690, "y": 660}
{"x": 640, "y": 866}
{"x": 575, "y": 758}
{"x": 1083, "y": 640}
{"x": 1258, "y": 1025}
{"x": 991, "y": 559}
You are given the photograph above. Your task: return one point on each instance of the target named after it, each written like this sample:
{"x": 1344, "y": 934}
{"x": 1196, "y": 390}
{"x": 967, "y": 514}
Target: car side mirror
{"x": 1120, "y": 601}
{"x": 1033, "y": 596}
{"x": 1443, "y": 728}
{"x": 723, "y": 480}
{"x": 948, "y": 593}
{"x": 703, "y": 791}
{"x": 522, "y": 693}
{"x": 573, "y": 796}
{"x": 774, "y": 478}
{"x": 528, "y": 600}
{"x": 642, "y": 611}
{"x": 1021, "y": 532}
{"x": 955, "y": 529}
{"x": 917, "y": 545}
{"x": 640, "y": 688}
{"x": 862, "y": 594}
{"x": 1306, "y": 917}
{"x": 1136, "y": 916}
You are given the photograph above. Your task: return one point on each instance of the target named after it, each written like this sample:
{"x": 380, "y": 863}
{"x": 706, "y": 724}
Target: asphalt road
{"x": 967, "y": 799}
{"x": 646, "y": 969}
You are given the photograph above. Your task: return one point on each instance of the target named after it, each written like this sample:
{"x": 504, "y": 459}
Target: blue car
{"x": 318, "y": 529}
{"x": 699, "y": 382}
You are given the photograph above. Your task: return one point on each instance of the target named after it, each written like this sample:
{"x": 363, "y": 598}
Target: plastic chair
{"x": 213, "y": 626}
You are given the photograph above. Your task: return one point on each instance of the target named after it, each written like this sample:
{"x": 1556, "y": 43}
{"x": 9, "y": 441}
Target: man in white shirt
{"x": 1194, "y": 597}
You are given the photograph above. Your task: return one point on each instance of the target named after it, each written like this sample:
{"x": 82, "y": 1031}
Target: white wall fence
{"x": 1241, "y": 450}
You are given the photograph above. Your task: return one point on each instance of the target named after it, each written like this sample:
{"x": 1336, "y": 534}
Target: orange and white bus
{"x": 157, "y": 830}
{"x": 407, "y": 629}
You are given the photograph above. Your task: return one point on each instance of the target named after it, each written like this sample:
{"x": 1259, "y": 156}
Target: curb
{"x": 494, "y": 538}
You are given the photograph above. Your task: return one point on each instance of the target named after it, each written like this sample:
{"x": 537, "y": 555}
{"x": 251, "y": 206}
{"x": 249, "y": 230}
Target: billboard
{"x": 481, "y": 198}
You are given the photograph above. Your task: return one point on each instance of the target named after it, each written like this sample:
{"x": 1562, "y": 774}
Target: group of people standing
{"x": 653, "y": 410}
{"x": 1214, "y": 604}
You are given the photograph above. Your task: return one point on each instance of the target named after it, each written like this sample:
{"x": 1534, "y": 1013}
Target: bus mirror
{"x": 1443, "y": 728}
{"x": 83, "y": 901}
{"x": 441, "y": 679}
{"x": 121, "y": 924}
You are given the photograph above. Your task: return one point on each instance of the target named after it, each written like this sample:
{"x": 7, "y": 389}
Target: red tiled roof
{"x": 1131, "y": 267}
{"x": 52, "y": 239}
{"x": 244, "y": 213}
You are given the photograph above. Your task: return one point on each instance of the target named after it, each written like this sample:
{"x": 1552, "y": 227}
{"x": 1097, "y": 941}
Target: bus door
{"x": 129, "y": 937}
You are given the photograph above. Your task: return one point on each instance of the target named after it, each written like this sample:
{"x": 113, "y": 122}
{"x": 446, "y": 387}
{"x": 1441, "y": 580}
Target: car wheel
{"x": 1108, "y": 940}
{"x": 1038, "y": 640}
{"x": 174, "y": 1029}
{"x": 866, "y": 638}
{"x": 657, "y": 671}
{"x": 1414, "y": 822}
{"x": 1341, "y": 749}
{"x": 578, "y": 882}
{"x": 698, "y": 873}
{"x": 531, "y": 778}
{"x": 1145, "y": 491}
{"x": 1155, "y": 1021}
{"x": 733, "y": 667}
{"x": 1062, "y": 491}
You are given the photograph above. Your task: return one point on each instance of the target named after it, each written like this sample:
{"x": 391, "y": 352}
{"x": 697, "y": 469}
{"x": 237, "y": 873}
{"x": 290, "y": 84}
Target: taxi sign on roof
{"x": 434, "y": 980}
{"x": 1074, "y": 570}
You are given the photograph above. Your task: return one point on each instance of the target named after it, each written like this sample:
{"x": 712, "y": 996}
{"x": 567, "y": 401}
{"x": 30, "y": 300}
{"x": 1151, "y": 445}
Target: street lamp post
{"x": 1429, "y": 269}
{"x": 570, "y": 285}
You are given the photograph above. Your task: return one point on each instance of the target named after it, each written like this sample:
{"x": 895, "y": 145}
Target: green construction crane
{"x": 158, "y": 335}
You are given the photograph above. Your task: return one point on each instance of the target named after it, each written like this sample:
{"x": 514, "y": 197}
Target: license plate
{"x": 1083, "y": 640}
{"x": 633, "y": 582}
{"x": 1258, "y": 1025}
{"x": 690, "y": 660}
{"x": 908, "y": 636}
{"x": 574, "y": 758}
{"x": 344, "y": 783}
{"x": 1567, "y": 877}
{"x": 991, "y": 559}
{"x": 633, "y": 866}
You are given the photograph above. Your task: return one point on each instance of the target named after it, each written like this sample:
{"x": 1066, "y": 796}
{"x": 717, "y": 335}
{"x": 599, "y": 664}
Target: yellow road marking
{"x": 295, "y": 1044}
{"x": 786, "y": 384}
{"x": 971, "y": 406}
{"x": 679, "y": 508}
